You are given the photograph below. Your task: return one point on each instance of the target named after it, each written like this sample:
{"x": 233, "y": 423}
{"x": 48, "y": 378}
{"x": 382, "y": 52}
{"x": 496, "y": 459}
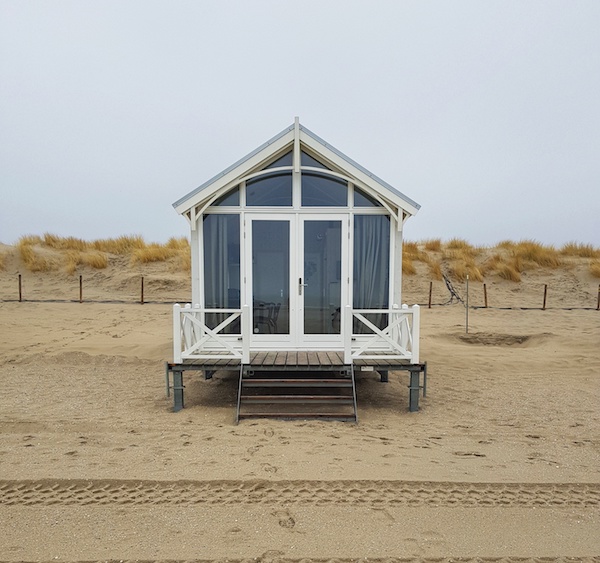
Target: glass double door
{"x": 295, "y": 268}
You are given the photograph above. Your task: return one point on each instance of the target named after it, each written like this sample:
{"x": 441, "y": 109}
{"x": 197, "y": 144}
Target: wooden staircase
{"x": 297, "y": 395}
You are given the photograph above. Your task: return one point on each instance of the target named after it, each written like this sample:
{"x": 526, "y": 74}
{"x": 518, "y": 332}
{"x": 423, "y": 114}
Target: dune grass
{"x": 433, "y": 245}
{"x": 580, "y": 250}
{"x": 456, "y": 258}
{"x": 507, "y": 260}
{"x": 51, "y": 252}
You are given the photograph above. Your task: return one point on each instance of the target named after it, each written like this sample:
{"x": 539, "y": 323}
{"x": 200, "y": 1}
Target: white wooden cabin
{"x": 296, "y": 249}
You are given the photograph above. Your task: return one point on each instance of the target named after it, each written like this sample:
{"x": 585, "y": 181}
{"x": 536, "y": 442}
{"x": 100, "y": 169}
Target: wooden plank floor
{"x": 283, "y": 359}
{"x": 294, "y": 359}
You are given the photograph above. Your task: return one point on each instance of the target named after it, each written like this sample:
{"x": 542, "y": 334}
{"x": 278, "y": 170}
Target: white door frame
{"x": 296, "y": 339}
{"x": 321, "y": 341}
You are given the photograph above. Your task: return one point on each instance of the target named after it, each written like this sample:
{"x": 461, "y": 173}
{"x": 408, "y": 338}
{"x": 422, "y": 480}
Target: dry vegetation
{"x": 52, "y": 253}
{"x": 508, "y": 260}
{"x": 455, "y": 258}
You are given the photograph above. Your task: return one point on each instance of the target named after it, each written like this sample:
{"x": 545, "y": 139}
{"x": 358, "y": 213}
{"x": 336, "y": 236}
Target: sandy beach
{"x": 501, "y": 463}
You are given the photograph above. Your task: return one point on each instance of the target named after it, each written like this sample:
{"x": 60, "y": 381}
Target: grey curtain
{"x": 221, "y": 264}
{"x": 371, "y": 266}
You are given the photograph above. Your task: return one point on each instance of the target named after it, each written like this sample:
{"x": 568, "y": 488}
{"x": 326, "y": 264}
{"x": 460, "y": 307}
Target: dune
{"x": 501, "y": 463}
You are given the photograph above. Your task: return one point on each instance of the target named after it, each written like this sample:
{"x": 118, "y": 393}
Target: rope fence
{"x": 81, "y": 298}
{"x": 454, "y": 297}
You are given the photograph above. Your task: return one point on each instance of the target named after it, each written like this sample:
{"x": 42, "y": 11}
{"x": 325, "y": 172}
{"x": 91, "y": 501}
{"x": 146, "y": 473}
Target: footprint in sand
{"x": 269, "y": 468}
{"x": 285, "y": 518}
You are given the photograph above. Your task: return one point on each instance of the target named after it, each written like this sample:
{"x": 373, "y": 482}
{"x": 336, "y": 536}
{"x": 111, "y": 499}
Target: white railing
{"x": 399, "y": 340}
{"x": 194, "y": 340}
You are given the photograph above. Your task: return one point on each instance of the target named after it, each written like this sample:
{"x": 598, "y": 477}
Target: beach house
{"x": 296, "y": 279}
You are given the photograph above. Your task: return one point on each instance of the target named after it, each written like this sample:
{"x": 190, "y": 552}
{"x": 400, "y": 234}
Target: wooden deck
{"x": 325, "y": 362}
{"x": 292, "y": 360}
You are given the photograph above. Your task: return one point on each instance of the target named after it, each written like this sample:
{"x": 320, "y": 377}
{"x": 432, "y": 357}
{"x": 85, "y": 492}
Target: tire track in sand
{"x": 273, "y": 558}
{"x": 48, "y": 492}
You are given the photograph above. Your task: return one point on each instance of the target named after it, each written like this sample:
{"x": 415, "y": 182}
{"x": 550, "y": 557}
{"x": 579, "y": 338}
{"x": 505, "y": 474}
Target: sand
{"x": 502, "y": 462}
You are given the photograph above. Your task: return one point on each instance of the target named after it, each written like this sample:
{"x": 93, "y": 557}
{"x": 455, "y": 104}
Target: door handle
{"x": 301, "y": 285}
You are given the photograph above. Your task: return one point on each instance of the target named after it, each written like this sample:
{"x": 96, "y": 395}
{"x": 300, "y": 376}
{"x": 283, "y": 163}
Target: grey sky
{"x": 485, "y": 113}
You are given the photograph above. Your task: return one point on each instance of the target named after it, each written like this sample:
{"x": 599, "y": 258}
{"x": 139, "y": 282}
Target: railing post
{"x": 397, "y": 331}
{"x": 186, "y": 327}
{"x": 196, "y": 332}
{"x": 348, "y": 334}
{"x": 404, "y": 327}
{"x": 416, "y": 327}
{"x": 177, "y": 333}
{"x": 246, "y": 332}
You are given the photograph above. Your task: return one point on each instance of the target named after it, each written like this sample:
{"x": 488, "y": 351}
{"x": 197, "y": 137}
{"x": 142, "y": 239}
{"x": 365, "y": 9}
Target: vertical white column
{"x": 416, "y": 329}
{"x": 246, "y": 332}
{"x": 347, "y": 320}
{"x": 177, "y": 333}
{"x": 397, "y": 260}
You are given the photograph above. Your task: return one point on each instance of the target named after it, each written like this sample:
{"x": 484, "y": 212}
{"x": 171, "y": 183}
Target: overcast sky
{"x": 485, "y": 113}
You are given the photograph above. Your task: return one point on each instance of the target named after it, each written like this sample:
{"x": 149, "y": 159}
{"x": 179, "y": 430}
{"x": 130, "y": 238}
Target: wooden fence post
{"x": 467, "y": 308}
{"x": 598, "y": 305}
{"x": 485, "y": 296}
{"x": 430, "y": 292}
{"x": 545, "y": 294}
{"x": 142, "y": 292}
{"x": 21, "y": 293}
{"x": 81, "y": 289}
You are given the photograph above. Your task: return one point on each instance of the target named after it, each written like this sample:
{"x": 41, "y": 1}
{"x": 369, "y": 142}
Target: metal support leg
{"x": 177, "y": 390}
{"x": 167, "y": 382}
{"x": 425, "y": 379}
{"x": 208, "y": 373}
{"x": 383, "y": 375}
{"x": 414, "y": 390}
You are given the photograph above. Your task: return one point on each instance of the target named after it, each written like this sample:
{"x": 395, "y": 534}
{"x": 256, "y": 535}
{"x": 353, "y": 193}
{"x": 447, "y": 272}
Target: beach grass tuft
{"x": 580, "y": 250}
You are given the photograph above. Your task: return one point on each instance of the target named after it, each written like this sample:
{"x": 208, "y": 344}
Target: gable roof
{"x": 286, "y": 138}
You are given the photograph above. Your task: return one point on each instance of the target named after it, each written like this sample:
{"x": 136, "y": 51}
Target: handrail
{"x": 193, "y": 339}
{"x": 191, "y": 334}
{"x": 399, "y": 340}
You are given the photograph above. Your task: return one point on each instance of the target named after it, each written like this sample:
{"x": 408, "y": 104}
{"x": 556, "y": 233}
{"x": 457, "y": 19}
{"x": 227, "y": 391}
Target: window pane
{"x": 322, "y": 276}
{"x": 307, "y": 160}
{"x": 221, "y": 234}
{"x": 363, "y": 199}
{"x": 271, "y": 277}
{"x": 285, "y": 160}
{"x": 273, "y": 189}
{"x": 232, "y": 197}
{"x": 319, "y": 190}
{"x": 371, "y": 267}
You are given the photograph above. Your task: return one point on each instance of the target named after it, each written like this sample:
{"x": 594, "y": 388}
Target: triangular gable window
{"x": 363, "y": 199}
{"x": 307, "y": 160}
{"x": 285, "y": 160}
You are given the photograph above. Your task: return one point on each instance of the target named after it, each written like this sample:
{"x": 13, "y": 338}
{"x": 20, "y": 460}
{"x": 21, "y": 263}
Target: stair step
{"x": 297, "y": 382}
{"x": 336, "y": 416}
{"x": 298, "y": 399}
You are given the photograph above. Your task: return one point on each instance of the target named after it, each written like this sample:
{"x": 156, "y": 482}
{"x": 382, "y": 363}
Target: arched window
{"x": 322, "y": 190}
{"x": 270, "y": 190}
{"x": 229, "y": 199}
